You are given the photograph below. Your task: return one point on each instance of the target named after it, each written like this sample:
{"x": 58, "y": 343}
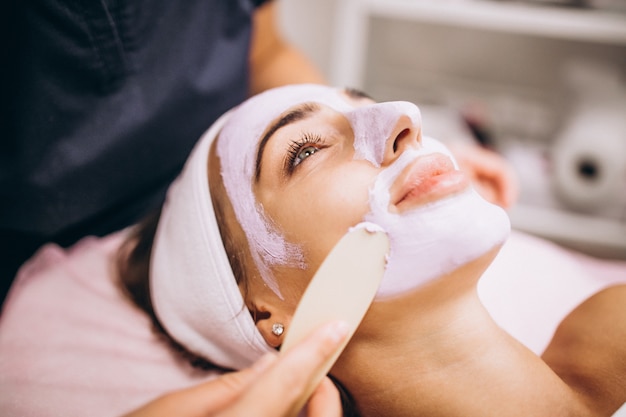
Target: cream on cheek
{"x": 237, "y": 150}
{"x": 434, "y": 239}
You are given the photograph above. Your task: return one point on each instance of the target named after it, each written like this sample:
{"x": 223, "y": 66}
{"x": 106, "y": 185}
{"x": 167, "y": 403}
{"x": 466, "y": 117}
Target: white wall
{"x": 308, "y": 24}
{"x": 519, "y": 73}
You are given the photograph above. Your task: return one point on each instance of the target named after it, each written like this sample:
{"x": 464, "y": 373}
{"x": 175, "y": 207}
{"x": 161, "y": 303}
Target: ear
{"x": 273, "y": 330}
{"x": 269, "y": 311}
{"x": 272, "y": 320}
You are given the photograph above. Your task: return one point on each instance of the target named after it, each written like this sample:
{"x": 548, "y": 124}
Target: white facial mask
{"x": 436, "y": 238}
{"x": 425, "y": 243}
{"x": 372, "y": 126}
{"x": 237, "y": 149}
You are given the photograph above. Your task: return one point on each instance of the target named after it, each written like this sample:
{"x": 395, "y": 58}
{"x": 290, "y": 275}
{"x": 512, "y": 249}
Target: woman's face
{"x": 322, "y": 160}
{"x": 310, "y": 181}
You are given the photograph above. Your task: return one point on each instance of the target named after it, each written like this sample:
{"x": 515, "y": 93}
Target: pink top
{"x": 533, "y": 284}
{"x": 71, "y": 345}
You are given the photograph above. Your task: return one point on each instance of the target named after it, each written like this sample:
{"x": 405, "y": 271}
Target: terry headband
{"x": 194, "y": 292}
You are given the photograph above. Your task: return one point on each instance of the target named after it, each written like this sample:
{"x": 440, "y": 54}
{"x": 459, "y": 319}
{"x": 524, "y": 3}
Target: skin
{"x": 588, "y": 351}
{"x": 452, "y": 361}
{"x": 273, "y": 61}
{"x": 490, "y": 174}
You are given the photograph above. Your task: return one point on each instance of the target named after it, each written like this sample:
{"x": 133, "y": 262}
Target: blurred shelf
{"x": 597, "y": 236}
{"x": 352, "y": 25}
{"x": 591, "y": 30}
{"x": 530, "y": 19}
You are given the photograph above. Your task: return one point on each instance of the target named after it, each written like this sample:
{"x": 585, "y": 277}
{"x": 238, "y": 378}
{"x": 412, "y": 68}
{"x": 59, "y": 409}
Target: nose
{"x": 406, "y": 132}
{"x": 384, "y": 130}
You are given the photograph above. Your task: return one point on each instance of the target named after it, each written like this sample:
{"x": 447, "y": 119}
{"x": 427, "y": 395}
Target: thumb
{"x": 207, "y": 398}
{"x": 282, "y": 389}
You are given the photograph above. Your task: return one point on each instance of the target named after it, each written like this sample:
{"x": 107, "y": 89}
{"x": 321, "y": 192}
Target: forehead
{"x": 266, "y": 107}
{"x": 248, "y": 122}
{"x": 283, "y": 98}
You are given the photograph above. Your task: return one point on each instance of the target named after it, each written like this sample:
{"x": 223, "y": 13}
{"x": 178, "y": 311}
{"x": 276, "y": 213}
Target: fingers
{"x": 206, "y": 398}
{"x": 279, "y": 390}
{"x": 498, "y": 171}
{"x": 505, "y": 184}
{"x": 215, "y": 395}
{"x": 511, "y": 188}
{"x": 325, "y": 401}
{"x": 494, "y": 178}
{"x": 272, "y": 387}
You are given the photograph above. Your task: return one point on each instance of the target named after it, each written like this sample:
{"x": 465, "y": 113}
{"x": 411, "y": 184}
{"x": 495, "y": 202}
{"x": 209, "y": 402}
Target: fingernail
{"x": 337, "y": 331}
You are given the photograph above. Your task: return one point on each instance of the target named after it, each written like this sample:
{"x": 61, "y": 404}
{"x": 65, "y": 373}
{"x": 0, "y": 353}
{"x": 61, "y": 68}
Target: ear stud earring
{"x": 277, "y": 329}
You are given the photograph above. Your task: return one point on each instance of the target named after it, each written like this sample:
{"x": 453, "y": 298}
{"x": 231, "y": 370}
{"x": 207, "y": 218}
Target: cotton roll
{"x": 589, "y": 160}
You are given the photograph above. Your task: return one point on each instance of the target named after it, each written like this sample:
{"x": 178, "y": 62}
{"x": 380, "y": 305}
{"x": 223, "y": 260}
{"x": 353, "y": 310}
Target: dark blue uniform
{"x": 101, "y": 103}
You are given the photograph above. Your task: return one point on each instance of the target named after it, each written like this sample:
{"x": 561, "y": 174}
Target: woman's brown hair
{"x": 133, "y": 260}
{"x": 133, "y": 269}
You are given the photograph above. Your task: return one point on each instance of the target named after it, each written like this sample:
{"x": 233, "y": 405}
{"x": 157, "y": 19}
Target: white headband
{"x": 194, "y": 292}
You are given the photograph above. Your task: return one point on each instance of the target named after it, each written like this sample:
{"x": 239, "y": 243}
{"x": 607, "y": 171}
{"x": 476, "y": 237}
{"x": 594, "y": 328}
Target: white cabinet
{"x": 352, "y": 25}
{"x": 528, "y": 67}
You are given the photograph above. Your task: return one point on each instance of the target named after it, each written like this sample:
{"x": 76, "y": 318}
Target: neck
{"x": 437, "y": 351}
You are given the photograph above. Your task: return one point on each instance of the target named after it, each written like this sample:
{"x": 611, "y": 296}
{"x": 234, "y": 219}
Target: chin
{"x": 438, "y": 238}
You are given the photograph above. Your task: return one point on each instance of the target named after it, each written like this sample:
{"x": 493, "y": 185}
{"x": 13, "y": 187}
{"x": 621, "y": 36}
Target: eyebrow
{"x": 356, "y": 94}
{"x": 301, "y": 112}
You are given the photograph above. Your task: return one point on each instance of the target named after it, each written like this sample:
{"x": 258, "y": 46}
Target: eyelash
{"x": 296, "y": 146}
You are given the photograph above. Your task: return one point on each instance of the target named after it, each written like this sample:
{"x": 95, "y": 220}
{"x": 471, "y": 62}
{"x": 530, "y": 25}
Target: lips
{"x": 428, "y": 179}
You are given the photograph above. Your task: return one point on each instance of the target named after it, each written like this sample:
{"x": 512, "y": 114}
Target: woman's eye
{"x": 305, "y": 153}
{"x": 301, "y": 149}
